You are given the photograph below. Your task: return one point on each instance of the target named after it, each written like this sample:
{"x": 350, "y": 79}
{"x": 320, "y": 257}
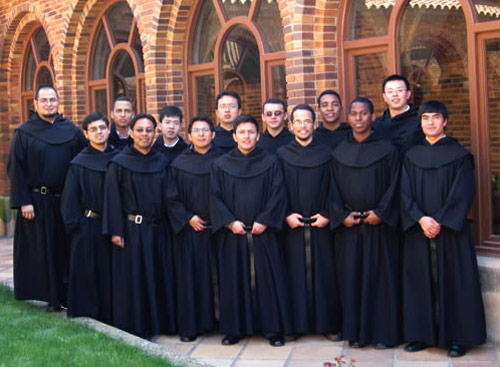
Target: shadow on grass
{"x": 29, "y": 336}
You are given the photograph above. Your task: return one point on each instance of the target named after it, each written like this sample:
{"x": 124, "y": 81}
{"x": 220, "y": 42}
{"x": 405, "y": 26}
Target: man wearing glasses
{"x": 399, "y": 124}
{"x": 227, "y": 108}
{"x": 39, "y": 157}
{"x": 274, "y": 116}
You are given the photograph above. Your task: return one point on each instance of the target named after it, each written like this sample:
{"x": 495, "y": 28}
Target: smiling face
{"x": 246, "y": 137}
{"x": 201, "y": 136}
{"x": 227, "y": 111}
{"x": 433, "y": 125}
{"x": 47, "y": 104}
{"x": 97, "y": 132}
{"x": 303, "y": 126}
{"x": 360, "y": 118}
{"x": 330, "y": 108}
{"x": 396, "y": 95}
{"x": 143, "y": 135}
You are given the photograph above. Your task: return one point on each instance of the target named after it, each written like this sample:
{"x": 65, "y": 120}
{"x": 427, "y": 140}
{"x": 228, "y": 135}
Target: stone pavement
{"x": 308, "y": 351}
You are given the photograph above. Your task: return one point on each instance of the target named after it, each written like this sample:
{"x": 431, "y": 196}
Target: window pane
{"x": 205, "y": 96}
{"x": 279, "y": 81}
{"x": 241, "y": 69}
{"x": 370, "y": 18}
{"x": 29, "y": 70}
{"x": 434, "y": 58}
{"x": 100, "y": 101}
{"x": 487, "y": 10}
{"x": 120, "y": 19}
{"x": 235, "y": 8}
{"x": 44, "y": 79}
{"x": 123, "y": 78}
{"x": 42, "y": 45}
{"x": 205, "y": 35}
{"x": 269, "y": 20}
{"x": 493, "y": 77}
{"x": 28, "y": 108}
{"x": 137, "y": 46}
{"x": 101, "y": 55}
{"x": 371, "y": 70}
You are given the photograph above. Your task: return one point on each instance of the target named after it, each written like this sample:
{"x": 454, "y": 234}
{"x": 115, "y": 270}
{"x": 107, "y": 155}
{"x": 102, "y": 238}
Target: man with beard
{"x": 331, "y": 131}
{"x": 307, "y": 240}
{"x": 227, "y": 109}
{"x": 89, "y": 291}
{"x": 442, "y": 304}
{"x": 400, "y": 123}
{"x": 365, "y": 216}
{"x": 39, "y": 157}
{"x": 249, "y": 205}
{"x": 169, "y": 142}
{"x": 122, "y": 114}
{"x": 188, "y": 202}
{"x": 135, "y": 218}
{"x": 274, "y": 117}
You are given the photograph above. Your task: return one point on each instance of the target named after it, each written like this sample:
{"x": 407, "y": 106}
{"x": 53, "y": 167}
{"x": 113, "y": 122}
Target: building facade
{"x": 184, "y": 52}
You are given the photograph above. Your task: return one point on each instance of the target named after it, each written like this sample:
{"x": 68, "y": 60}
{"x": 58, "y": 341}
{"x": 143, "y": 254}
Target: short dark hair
{"x": 306, "y": 107}
{"x": 45, "y": 87}
{"x": 92, "y": 117}
{"x": 208, "y": 120}
{"x": 365, "y": 101}
{"x": 274, "y": 101}
{"x": 433, "y": 106}
{"x": 170, "y": 111}
{"x": 122, "y": 99}
{"x": 393, "y": 77}
{"x": 228, "y": 93}
{"x": 142, "y": 116}
{"x": 245, "y": 118}
{"x": 332, "y": 92}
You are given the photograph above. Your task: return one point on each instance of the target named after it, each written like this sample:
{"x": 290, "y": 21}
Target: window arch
{"x": 116, "y": 66}
{"x": 236, "y": 45}
{"x": 38, "y": 70}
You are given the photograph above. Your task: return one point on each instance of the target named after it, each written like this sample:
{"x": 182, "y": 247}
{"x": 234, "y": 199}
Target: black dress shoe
{"x": 355, "y": 344}
{"x": 187, "y": 339}
{"x": 334, "y": 337}
{"x": 381, "y": 346}
{"x": 415, "y": 346}
{"x": 276, "y": 341}
{"x": 230, "y": 340}
{"x": 457, "y": 351}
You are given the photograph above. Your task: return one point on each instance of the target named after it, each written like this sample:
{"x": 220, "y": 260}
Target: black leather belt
{"x": 308, "y": 258}
{"x": 44, "y": 190}
{"x": 91, "y": 214}
{"x": 248, "y": 230}
{"x": 141, "y": 219}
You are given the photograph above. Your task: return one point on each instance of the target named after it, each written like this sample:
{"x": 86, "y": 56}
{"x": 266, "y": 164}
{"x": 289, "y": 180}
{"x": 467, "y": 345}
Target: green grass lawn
{"x": 29, "y": 336}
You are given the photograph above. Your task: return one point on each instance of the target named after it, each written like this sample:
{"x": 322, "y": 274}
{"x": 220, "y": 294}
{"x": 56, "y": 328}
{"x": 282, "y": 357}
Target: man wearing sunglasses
{"x": 274, "y": 116}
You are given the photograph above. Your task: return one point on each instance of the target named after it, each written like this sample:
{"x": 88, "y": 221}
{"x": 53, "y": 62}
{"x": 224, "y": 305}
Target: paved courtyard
{"x": 306, "y": 352}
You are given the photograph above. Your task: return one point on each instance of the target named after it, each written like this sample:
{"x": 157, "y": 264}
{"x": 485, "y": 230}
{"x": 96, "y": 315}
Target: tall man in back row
{"x": 227, "y": 109}
{"x": 121, "y": 114}
{"x": 39, "y": 157}
{"x": 331, "y": 131}
{"x": 274, "y": 117}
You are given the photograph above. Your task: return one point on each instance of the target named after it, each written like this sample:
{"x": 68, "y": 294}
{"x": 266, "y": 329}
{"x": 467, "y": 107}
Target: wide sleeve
{"x": 387, "y": 208}
{"x": 273, "y": 214}
{"x": 178, "y": 214}
{"x": 410, "y": 211}
{"x": 20, "y": 193}
{"x": 220, "y": 215}
{"x": 113, "y": 223}
{"x": 71, "y": 208}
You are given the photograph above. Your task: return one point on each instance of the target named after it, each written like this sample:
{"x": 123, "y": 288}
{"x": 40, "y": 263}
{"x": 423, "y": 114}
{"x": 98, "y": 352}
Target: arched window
{"x": 450, "y": 51}
{"x": 116, "y": 65}
{"x": 38, "y": 70}
{"x": 237, "y": 45}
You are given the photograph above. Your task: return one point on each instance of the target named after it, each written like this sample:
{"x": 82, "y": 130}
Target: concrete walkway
{"x": 308, "y": 351}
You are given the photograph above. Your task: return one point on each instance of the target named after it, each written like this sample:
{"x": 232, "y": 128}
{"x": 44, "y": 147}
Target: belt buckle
{"x": 138, "y": 219}
{"x": 88, "y": 213}
{"x": 43, "y": 190}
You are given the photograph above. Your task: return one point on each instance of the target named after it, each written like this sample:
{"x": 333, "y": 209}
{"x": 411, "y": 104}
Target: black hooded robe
{"x": 224, "y": 139}
{"x": 271, "y": 143}
{"x": 438, "y": 181}
{"x": 170, "y": 152}
{"x": 332, "y": 138}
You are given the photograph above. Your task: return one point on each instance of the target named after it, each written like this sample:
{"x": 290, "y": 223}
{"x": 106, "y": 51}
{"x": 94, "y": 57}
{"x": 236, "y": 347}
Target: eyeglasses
{"x": 47, "y": 100}
{"x": 395, "y": 91}
{"x": 228, "y": 106}
{"x": 198, "y": 130}
{"x": 95, "y": 129}
{"x": 275, "y": 113}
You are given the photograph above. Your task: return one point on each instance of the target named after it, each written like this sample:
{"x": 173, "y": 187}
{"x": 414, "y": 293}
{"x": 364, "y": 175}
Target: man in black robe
{"x": 188, "y": 203}
{"x": 169, "y": 142}
{"x": 400, "y": 123}
{"x": 249, "y": 205}
{"x": 39, "y": 157}
{"x": 122, "y": 114}
{"x": 89, "y": 290}
{"x": 331, "y": 131}
{"x": 227, "y": 109}
{"x": 135, "y": 205}
{"x": 274, "y": 117}
{"x": 442, "y": 304}
{"x": 365, "y": 215}
{"x": 307, "y": 240}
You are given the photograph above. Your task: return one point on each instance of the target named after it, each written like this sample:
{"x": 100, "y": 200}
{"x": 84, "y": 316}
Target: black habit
{"x": 271, "y": 143}
{"x": 438, "y": 181}
{"x": 250, "y": 188}
{"x": 195, "y": 265}
{"x": 115, "y": 139}
{"x": 367, "y": 174}
{"x": 224, "y": 139}
{"x": 39, "y": 157}
{"x": 170, "y": 152}
{"x": 307, "y": 178}
{"x": 331, "y": 138}
{"x": 89, "y": 290}
{"x": 143, "y": 283}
